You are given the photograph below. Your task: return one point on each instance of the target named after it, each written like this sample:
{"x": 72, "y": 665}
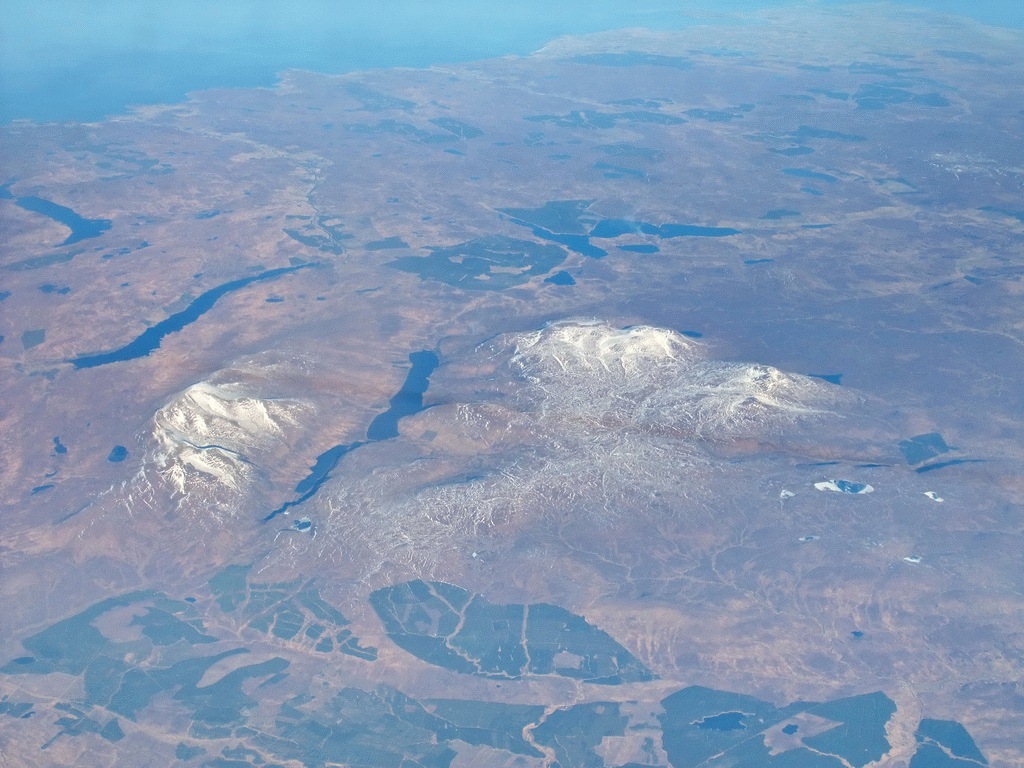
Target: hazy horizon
{"x": 62, "y": 60}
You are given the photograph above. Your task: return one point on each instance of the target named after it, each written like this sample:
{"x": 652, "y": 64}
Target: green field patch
{"x": 163, "y": 628}
{"x": 575, "y": 732}
{"x": 20, "y": 709}
{"x": 654, "y": 102}
{"x": 358, "y": 728}
{"x": 945, "y": 743}
{"x": 704, "y": 727}
{"x": 112, "y": 731}
{"x": 780, "y": 213}
{"x": 388, "y": 243}
{"x": 311, "y": 599}
{"x": 290, "y": 611}
{"x": 876, "y": 96}
{"x": 459, "y": 128}
{"x": 921, "y": 448}
{"x": 452, "y": 628}
{"x": 72, "y": 644}
{"x": 37, "y": 262}
{"x": 374, "y": 101}
{"x": 385, "y": 727}
{"x": 185, "y": 752}
{"x": 230, "y": 587}
{"x": 618, "y": 171}
{"x": 75, "y": 722}
{"x": 34, "y": 338}
{"x": 492, "y": 723}
{"x": 103, "y": 679}
{"x": 586, "y": 118}
{"x": 203, "y": 731}
{"x": 349, "y": 645}
{"x": 492, "y": 262}
{"x": 223, "y": 703}
{"x": 400, "y": 128}
{"x": 648, "y": 154}
{"x": 561, "y": 216}
{"x": 805, "y": 132}
{"x": 328, "y": 242}
{"x": 860, "y": 736}
{"x": 287, "y": 622}
{"x": 931, "y": 755}
{"x": 238, "y": 756}
{"x": 123, "y": 677}
{"x": 492, "y": 636}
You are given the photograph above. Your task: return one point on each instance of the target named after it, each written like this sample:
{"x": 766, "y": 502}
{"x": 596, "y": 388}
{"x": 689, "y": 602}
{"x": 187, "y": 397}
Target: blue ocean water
{"x": 69, "y": 60}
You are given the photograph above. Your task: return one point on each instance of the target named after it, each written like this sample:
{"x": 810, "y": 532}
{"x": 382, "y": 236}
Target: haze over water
{"x": 63, "y": 60}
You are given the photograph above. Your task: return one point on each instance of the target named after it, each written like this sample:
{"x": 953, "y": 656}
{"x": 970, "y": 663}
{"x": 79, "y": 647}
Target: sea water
{"x": 67, "y": 60}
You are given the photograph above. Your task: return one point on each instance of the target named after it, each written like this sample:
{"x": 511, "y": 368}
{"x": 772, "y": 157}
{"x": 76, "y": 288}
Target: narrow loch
{"x": 407, "y": 401}
{"x": 150, "y": 338}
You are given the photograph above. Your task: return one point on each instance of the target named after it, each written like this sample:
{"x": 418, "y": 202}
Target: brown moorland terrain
{"x": 649, "y": 400}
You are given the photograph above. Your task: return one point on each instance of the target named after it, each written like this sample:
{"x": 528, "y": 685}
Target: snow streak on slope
{"x": 217, "y": 438}
{"x": 588, "y": 422}
{"x": 657, "y": 380}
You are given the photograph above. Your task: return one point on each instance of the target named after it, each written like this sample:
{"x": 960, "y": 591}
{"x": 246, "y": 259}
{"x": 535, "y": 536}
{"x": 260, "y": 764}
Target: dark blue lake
{"x": 81, "y": 228}
{"x": 617, "y": 227}
{"x": 409, "y": 398}
{"x": 149, "y": 340}
{"x": 407, "y": 401}
{"x": 727, "y": 721}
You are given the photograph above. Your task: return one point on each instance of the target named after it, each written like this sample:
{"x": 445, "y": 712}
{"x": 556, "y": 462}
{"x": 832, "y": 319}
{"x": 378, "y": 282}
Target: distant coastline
{"x": 112, "y": 58}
